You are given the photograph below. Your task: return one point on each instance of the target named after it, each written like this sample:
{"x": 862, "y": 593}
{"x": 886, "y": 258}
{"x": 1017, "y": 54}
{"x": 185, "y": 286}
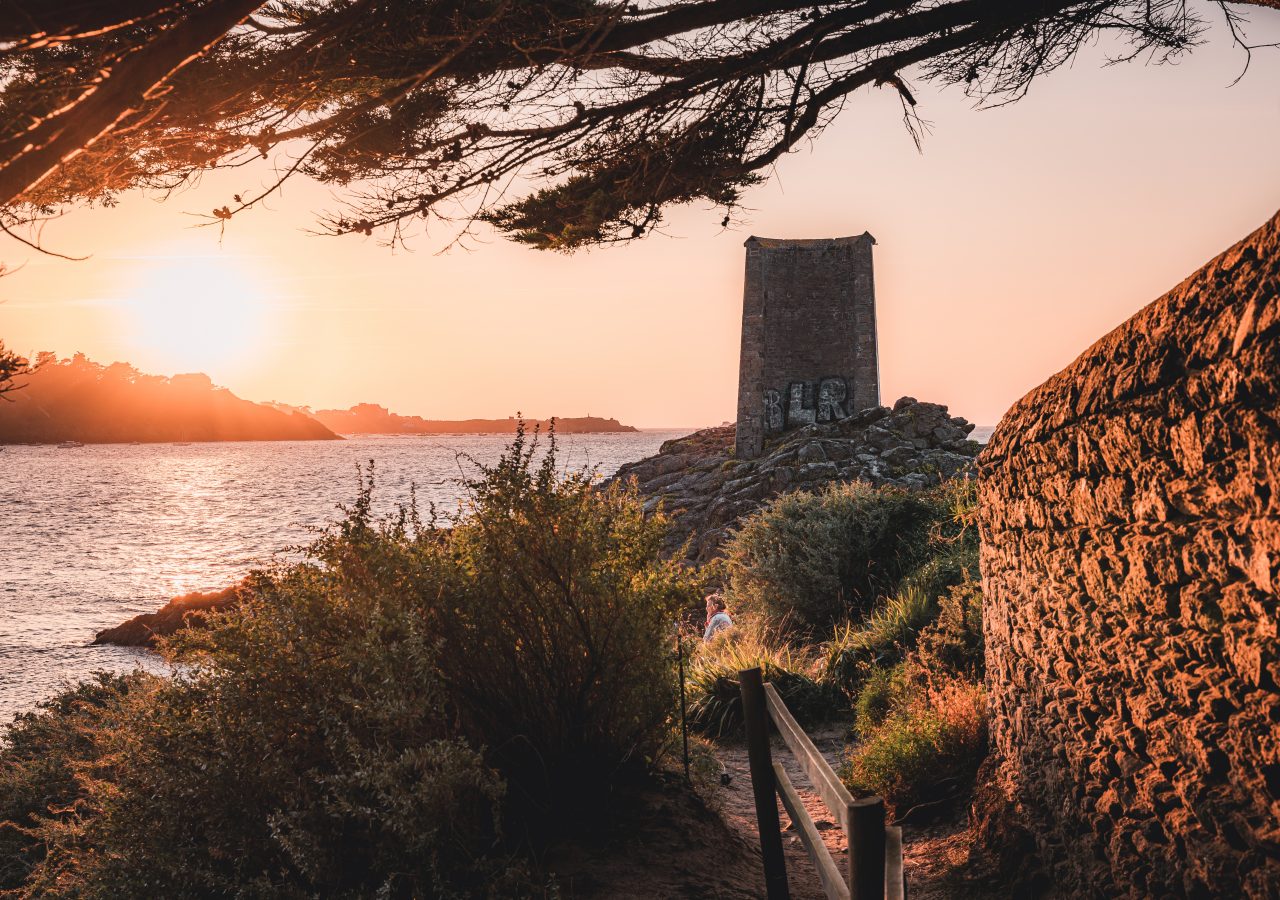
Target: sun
{"x": 202, "y": 313}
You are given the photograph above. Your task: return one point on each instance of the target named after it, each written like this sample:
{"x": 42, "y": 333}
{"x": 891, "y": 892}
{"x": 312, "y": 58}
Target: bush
{"x": 715, "y": 702}
{"x": 920, "y": 745}
{"x": 876, "y": 699}
{"x": 953, "y": 642}
{"x": 809, "y": 561}
{"x": 44, "y": 755}
{"x": 558, "y": 621}
{"x": 304, "y": 749}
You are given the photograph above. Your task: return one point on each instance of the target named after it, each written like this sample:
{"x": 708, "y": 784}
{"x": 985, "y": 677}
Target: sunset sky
{"x": 1017, "y": 238}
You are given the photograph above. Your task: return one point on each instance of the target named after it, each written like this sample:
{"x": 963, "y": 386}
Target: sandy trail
{"x": 930, "y": 853}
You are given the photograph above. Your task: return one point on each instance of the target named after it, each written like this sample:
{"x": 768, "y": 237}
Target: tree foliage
{"x": 564, "y": 123}
{"x": 11, "y": 366}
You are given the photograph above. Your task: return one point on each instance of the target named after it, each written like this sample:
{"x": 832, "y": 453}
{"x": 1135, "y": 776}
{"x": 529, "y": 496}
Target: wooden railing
{"x": 875, "y": 852}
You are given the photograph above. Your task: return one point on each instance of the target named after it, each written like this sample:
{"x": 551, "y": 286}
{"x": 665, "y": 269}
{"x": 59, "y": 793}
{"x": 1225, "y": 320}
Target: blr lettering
{"x": 807, "y": 402}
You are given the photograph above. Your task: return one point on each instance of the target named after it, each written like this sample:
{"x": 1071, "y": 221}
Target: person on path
{"x": 717, "y": 619}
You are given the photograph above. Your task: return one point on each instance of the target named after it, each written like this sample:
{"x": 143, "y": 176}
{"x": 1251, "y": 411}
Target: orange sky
{"x": 1019, "y": 237}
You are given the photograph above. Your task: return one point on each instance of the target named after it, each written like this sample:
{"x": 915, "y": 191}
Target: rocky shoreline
{"x": 706, "y": 490}
{"x": 187, "y": 609}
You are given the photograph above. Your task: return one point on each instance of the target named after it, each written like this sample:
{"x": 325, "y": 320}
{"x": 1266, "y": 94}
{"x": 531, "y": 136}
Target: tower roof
{"x": 808, "y": 243}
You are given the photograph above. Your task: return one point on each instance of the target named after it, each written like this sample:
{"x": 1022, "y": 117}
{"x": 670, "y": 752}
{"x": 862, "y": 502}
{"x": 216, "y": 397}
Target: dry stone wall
{"x": 1131, "y": 557}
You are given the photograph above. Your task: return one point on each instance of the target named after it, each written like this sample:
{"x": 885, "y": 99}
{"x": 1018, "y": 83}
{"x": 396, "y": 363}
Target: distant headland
{"x": 369, "y": 418}
{"x": 77, "y": 400}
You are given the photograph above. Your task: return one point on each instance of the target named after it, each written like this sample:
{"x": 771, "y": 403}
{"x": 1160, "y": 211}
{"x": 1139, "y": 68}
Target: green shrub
{"x": 305, "y": 748}
{"x": 952, "y": 554}
{"x": 45, "y": 754}
{"x": 876, "y": 699}
{"x": 809, "y": 561}
{"x": 558, "y": 620}
{"x": 953, "y": 641}
{"x": 926, "y": 746}
{"x": 715, "y": 703}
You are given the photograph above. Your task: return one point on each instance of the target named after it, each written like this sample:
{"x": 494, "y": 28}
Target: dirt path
{"x": 931, "y": 854}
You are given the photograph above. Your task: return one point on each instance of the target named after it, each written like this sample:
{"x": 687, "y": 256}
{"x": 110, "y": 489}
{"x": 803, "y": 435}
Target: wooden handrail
{"x": 824, "y": 780}
{"x": 895, "y": 880}
{"x": 828, "y": 872}
{"x": 755, "y": 715}
{"x": 875, "y": 851}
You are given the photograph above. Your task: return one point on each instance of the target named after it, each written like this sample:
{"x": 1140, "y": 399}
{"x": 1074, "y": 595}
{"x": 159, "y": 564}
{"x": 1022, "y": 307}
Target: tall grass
{"x": 881, "y": 639}
{"x": 715, "y": 704}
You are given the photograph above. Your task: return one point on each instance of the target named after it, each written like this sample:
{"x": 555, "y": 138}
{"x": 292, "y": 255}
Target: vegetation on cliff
{"x": 407, "y": 712}
{"x": 415, "y": 710}
{"x": 707, "y": 490}
{"x": 79, "y": 400}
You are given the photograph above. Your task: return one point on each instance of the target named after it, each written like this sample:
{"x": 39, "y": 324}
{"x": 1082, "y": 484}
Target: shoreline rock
{"x": 706, "y": 490}
{"x": 182, "y": 611}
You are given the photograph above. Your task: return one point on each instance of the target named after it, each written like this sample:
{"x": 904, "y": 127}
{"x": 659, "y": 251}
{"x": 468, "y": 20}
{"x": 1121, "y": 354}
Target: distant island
{"x": 369, "y": 418}
{"x": 78, "y": 400}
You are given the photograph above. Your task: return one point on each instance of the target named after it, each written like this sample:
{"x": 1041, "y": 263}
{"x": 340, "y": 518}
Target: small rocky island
{"x": 706, "y": 489}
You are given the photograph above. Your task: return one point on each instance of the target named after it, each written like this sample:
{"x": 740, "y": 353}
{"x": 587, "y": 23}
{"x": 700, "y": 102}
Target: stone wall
{"x": 808, "y": 336}
{"x": 1131, "y": 555}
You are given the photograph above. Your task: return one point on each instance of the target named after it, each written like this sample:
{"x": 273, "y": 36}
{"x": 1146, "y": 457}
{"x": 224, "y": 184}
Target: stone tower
{"x": 808, "y": 336}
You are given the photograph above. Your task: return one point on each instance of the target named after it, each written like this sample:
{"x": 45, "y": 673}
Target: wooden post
{"x": 756, "y": 716}
{"x": 684, "y": 703}
{"x": 865, "y": 831}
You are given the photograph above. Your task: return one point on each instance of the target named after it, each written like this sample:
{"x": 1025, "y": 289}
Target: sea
{"x": 91, "y": 536}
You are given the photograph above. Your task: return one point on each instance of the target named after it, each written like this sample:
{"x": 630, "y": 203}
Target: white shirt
{"x": 719, "y": 622}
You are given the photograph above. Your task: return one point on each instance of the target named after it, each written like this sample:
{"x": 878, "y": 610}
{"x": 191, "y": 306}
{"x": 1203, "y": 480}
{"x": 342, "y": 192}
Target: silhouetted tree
{"x": 563, "y": 123}
{"x": 11, "y": 366}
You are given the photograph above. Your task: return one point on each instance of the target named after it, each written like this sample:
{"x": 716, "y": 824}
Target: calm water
{"x": 92, "y": 536}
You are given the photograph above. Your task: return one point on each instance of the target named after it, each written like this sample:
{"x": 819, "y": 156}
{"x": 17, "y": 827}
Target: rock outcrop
{"x": 706, "y": 490}
{"x": 187, "y": 610}
{"x": 1130, "y": 521}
